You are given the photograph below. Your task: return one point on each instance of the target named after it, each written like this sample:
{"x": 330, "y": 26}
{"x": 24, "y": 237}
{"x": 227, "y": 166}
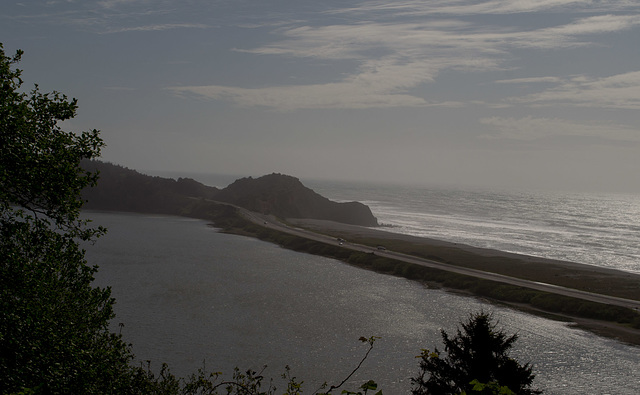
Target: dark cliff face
{"x": 286, "y": 197}
{"x": 123, "y": 189}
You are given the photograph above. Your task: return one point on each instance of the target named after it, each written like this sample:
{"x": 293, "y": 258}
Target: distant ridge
{"x": 123, "y": 189}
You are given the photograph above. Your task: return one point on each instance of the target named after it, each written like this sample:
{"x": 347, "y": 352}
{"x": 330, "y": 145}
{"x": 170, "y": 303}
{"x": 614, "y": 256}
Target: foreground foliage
{"x": 54, "y": 325}
{"x": 476, "y": 361}
{"x": 54, "y": 333}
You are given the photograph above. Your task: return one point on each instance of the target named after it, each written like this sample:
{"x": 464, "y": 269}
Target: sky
{"x": 540, "y": 94}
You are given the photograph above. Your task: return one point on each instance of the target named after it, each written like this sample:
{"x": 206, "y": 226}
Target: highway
{"x": 574, "y": 293}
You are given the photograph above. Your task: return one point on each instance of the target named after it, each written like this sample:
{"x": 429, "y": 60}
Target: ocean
{"x": 591, "y": 228}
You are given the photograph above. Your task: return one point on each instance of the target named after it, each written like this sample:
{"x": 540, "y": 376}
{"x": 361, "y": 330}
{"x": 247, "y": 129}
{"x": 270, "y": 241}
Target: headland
{"x": 279, "y": 209}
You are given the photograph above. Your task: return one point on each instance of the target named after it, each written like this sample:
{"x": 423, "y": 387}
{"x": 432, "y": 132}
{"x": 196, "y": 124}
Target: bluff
{"x": 286, "y": 197}
{"x": 123, "y": 189}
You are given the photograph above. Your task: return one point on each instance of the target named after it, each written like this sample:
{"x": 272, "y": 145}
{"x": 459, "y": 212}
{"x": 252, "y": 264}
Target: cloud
{"x": 110, "y": 16}
{"x": 618, "y": 91}
{"x": 158, "y": 27}
{"x": 395, "y": 58}
{"x": 304, "y": 97}
{"x": 491, "y": 7}
{"x": 358, "y": 92}
{"x": 534, "y": 129}
{"x": 378, "y": 83}
{"x": 116, "y": 3}
{"x": 598, "y": 24}
{"x": 397, "y": 48}
{"x": 529, "y": 80}
{"x": 574, "y": 34}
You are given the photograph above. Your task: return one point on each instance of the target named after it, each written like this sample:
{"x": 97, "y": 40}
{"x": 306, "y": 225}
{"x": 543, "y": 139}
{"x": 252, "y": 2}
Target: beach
{"x": 556, "y": 274}
{"x": 545, "y": 270}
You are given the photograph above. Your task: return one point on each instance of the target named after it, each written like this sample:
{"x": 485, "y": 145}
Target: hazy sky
{"x": 540, "y": 93}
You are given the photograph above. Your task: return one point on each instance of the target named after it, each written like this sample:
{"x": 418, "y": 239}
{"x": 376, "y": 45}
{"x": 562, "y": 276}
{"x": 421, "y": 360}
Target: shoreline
{"x": 320, "y": 238}
{"x": 477, "y": 257}
{"x": 322, "y": 226}
{"x": 555, "y": 272}
{"x": 602, "y": 328}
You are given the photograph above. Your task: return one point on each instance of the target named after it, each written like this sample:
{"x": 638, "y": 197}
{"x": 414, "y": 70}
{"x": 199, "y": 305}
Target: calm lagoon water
{"x": 189, "y": 294}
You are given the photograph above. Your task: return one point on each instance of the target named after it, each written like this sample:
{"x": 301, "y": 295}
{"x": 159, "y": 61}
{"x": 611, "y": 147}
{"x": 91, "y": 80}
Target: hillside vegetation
{"x": 122, "y": 189}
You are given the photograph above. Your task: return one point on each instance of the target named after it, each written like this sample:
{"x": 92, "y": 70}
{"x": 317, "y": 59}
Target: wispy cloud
{"x": 349, "y": 94}
{"x": 108, "y": 16}
{"x": 490, "y": 7}
{"x": 536, "y": 129}
{"x": 158, "y": 27}
{"x": 530, "y": 80}
{"x": 398, "y": 56}
{"x": 116, "y": 3}
{"x": 618, "y": 91}
{"x": 396, "y": 49}
{"x": 571, "y": 34}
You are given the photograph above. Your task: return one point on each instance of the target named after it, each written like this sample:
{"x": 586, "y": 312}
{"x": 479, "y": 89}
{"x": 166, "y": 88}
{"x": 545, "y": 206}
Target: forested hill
{"x": 286, "y": 197}
{"x": 123, "y": 189}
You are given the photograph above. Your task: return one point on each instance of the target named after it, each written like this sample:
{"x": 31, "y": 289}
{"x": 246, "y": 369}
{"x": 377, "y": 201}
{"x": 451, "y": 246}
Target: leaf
{"x": 369, "y": 385}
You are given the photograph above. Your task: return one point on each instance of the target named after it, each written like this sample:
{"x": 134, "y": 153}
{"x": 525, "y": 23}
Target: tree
{"x": 54, "y": 325}
{"x": 54, "y": 334}
{"x": 476, "y": 361}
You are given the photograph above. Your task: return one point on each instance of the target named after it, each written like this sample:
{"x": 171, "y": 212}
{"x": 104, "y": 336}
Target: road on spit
{"x": 269, "y": 222}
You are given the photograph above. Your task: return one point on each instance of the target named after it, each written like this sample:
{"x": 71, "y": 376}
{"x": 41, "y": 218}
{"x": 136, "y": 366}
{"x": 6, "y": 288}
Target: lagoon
{"x": 187, "y": 294}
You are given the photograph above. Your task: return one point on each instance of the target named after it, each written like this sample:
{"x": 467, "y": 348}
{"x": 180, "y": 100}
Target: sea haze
{"x": 187, "y": 294}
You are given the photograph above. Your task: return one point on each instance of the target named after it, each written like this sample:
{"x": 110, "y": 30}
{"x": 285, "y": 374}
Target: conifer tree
{"x": 476, "y": 359}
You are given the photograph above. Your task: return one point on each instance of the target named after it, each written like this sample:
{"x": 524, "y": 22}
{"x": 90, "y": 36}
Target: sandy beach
{"x": 358, "y": 232}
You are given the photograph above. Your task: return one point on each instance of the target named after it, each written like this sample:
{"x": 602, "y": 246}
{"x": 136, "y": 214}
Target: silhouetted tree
{"x": 54, "y": 335}
{"x": 478, "y": 353}
{"x": 54, "y": 325}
